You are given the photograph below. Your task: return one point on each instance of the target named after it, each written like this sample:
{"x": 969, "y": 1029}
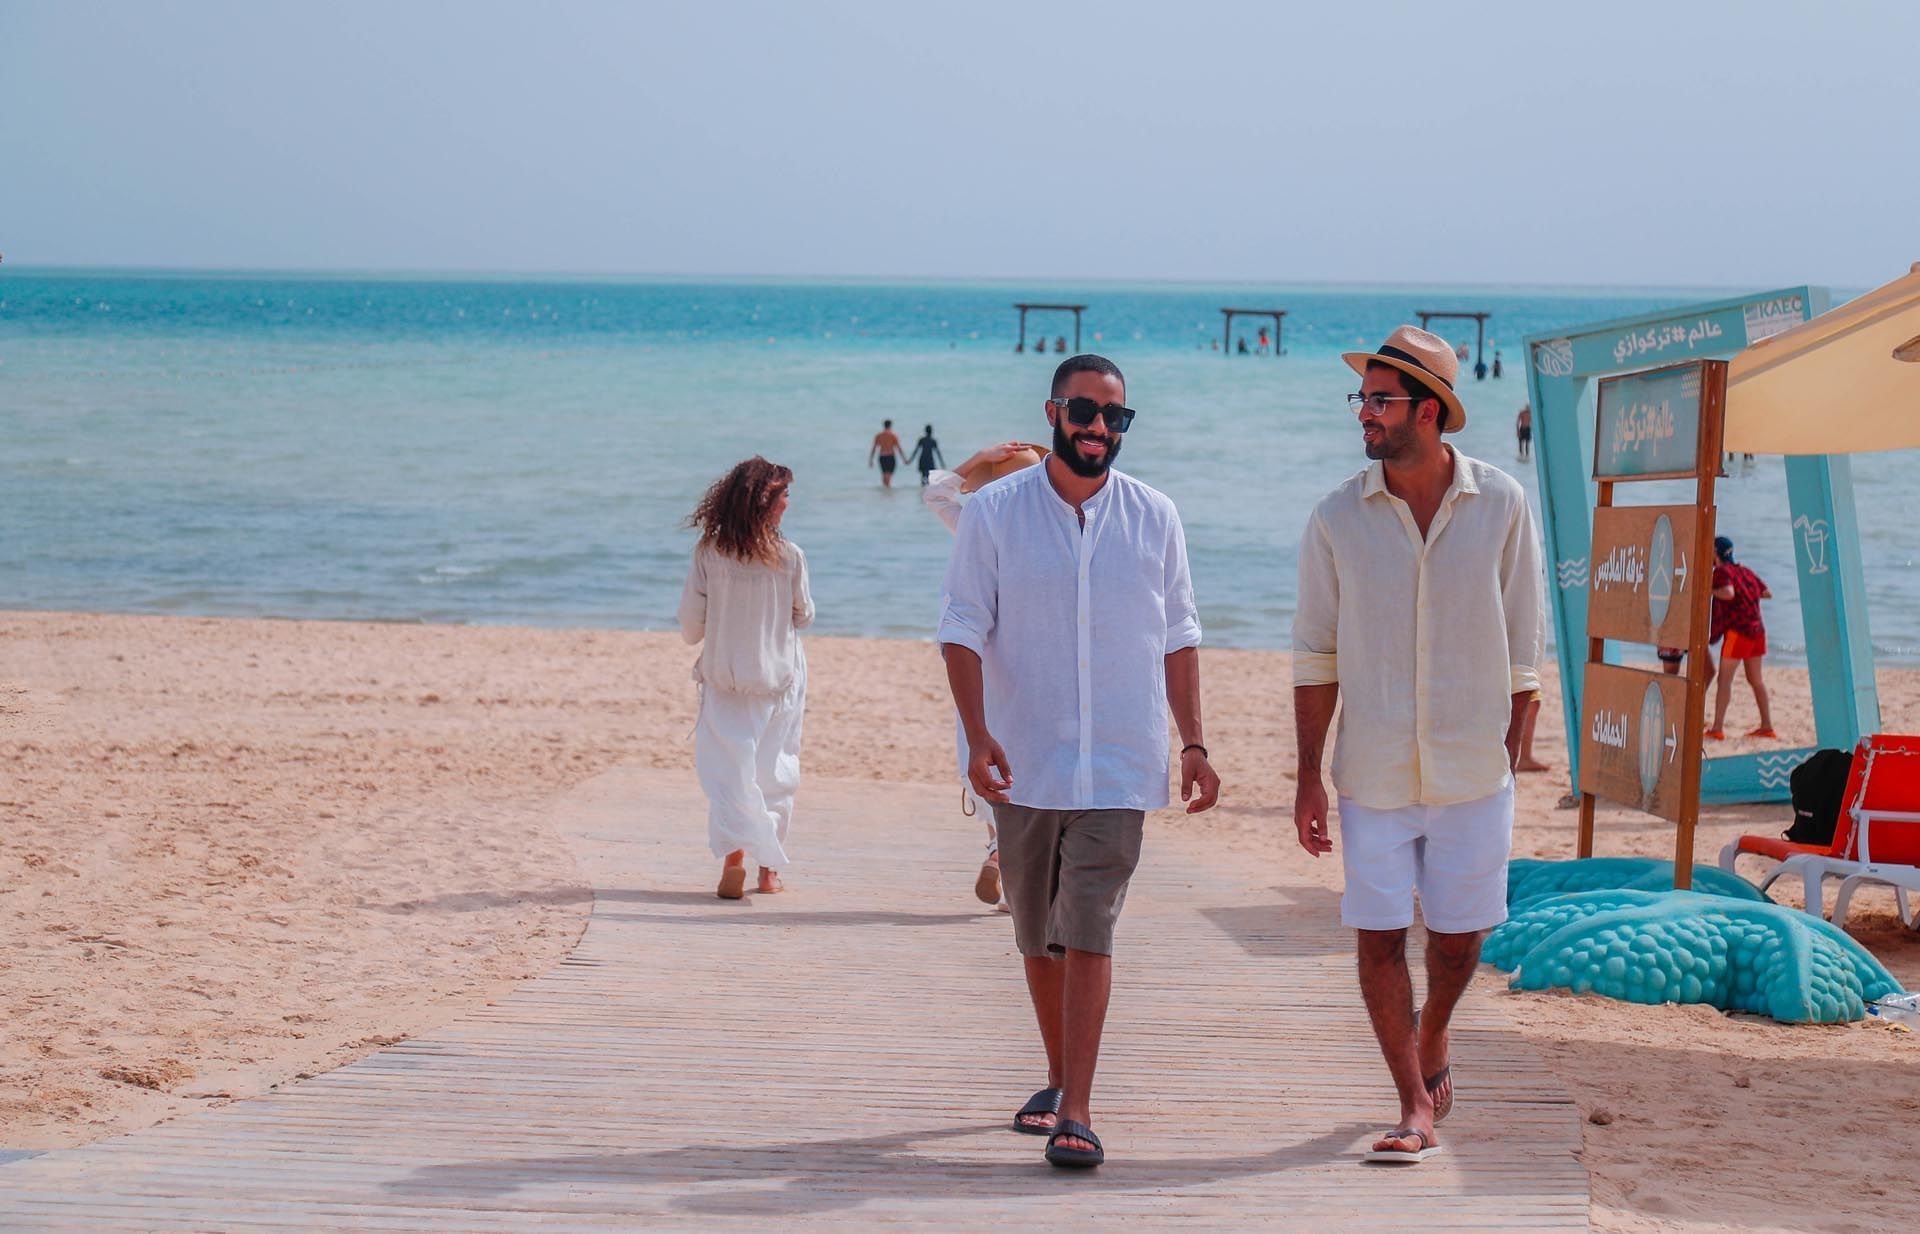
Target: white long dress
{"x": 753, "y": 695}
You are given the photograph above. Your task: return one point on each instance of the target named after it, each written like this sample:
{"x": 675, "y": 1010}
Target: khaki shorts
{"x": 1065, "y": 873}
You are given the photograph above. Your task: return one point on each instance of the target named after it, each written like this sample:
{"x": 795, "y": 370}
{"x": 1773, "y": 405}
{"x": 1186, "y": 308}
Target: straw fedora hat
{"x": 1426, "y": 358}
{"x": 984, "y": 473}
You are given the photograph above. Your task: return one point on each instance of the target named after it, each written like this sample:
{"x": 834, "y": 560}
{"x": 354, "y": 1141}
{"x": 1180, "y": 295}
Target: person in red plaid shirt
{"x": 1737, "y": 592}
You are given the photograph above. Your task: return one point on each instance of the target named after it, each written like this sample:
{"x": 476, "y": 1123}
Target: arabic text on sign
{"x": 1623, "y": 566}
{"x": 1609, "y": 729}
{"x": 1643, "y": 423}
{"x": 1655, "y": 340}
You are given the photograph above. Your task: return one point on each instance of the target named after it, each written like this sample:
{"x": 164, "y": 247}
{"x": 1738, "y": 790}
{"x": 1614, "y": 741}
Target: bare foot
{"x": 1533, "y": 764}
{"x": 770, "y": 881}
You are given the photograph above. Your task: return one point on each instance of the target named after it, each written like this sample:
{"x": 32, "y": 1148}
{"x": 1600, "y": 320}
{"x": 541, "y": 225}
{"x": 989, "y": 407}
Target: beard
{"x": 1392, "y": 442}
{"x": 1079, "y": 465}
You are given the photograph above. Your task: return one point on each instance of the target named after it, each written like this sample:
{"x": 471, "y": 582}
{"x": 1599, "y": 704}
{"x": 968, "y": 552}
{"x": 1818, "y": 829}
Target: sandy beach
{"x": 240, "y": 852}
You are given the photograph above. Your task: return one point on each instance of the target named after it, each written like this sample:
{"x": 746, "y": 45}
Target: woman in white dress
{"x": 747, "y": 598}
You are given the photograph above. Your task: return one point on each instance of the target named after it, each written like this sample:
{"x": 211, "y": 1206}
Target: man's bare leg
{"x": 1723, "y": 695}
{"x": 1388, "y": 989}
{"x": 1046, "y": 985}
{"x": 1451, "y": 959}
{"x": 1089, "y": 984}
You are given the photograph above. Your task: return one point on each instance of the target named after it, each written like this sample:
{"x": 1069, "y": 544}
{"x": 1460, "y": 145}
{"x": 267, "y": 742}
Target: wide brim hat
{"x": 1427, "y": 358}
{"x": 985, "y": 473}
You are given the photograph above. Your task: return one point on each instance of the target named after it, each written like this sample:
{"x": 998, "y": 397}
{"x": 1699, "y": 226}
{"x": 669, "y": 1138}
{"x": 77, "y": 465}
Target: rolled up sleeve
{"x": 802, "y": 591}
{"x": 1316, "y": 614}
{"x": 1182, "y": 616}
{"x": 1523, "y": 598}
{"x": 942, "y": 496}
{"x": 969, "y": 601}
{"x": 693, "y": 600}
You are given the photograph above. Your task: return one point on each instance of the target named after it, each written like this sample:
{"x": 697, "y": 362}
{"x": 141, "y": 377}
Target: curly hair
{"x": 736, "y": 514}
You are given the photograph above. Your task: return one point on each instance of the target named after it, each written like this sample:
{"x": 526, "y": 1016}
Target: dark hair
{"x": 735, "y": 516}
{"x": 929, "y": 430}
{"x": 1420, "y": 390}
{"x": 886, "y": 424}
{"x": 1084, "y": 364}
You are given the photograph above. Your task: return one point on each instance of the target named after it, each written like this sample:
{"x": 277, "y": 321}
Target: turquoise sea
{"x": 520, "y": 450}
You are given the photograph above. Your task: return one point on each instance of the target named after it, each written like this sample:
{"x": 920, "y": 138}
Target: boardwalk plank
{"x": 845, "y": 1056}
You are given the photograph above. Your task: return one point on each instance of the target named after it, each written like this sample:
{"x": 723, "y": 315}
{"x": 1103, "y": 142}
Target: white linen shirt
{"x": 1428, "y": 640}
{"x": 750, "y": 615}
{"x": 1073, "y": 627}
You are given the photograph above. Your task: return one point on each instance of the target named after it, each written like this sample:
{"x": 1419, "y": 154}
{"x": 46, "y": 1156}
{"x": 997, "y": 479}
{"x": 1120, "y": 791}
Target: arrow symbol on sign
{"x": 1680, "y": 571}
{"x": 1673, "y": 741}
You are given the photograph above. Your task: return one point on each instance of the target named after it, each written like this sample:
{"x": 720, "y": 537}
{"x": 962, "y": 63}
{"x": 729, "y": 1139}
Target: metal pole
{"x": 1023, "y": 328}
{"x": 1076, "y": 331}
{"x": 1480, "y": 348}
{"x": 1226, "y": 338}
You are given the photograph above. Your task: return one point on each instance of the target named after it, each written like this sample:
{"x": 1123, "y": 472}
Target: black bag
{"x": 1817, "y": 786}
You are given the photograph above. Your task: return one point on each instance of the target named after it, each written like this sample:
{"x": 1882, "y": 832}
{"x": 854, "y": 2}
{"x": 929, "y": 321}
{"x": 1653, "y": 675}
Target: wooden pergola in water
{"x": 1075, "y": 309}
{"x": 1226, "y": 343}
{"x": 1480, "y": 343}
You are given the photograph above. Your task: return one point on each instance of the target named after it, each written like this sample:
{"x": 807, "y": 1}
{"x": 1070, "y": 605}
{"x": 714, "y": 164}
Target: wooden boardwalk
{"x": 848, "y": 1055}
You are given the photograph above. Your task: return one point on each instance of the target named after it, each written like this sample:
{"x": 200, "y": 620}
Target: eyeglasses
{"x": 1376, "y": 404}
{"x": 1081, "y": 411}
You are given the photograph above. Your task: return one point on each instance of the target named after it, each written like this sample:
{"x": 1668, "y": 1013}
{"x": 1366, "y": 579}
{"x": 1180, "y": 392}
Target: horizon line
{"x": 480, "y": 274}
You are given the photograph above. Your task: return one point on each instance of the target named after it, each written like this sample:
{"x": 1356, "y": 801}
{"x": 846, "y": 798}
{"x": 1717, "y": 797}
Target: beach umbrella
{"x": 1844, "y": 383}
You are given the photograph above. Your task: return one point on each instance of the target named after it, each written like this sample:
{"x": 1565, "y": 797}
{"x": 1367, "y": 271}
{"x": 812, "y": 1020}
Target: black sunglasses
{"x": 1081, "y": 411}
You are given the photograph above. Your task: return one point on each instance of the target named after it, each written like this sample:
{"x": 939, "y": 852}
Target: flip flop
{"x": 1074, "y": 1158}
{"x": 733, "y": 883}
{"x": 1396, "y": 1156}
{"x": 1046, "y": 1101}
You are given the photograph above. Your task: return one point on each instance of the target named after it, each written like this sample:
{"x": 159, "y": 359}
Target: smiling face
{"x": 1087, "y": 449}
{"x": 1395, "y": 433}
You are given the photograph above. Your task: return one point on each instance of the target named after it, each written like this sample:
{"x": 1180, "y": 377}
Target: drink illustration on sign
{"x": 1813, "y": 537}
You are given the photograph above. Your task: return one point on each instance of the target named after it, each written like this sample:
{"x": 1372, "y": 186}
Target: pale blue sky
{"x": 1674, "y": 143}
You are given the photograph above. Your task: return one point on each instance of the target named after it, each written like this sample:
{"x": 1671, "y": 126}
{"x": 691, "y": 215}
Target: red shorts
{"x": 1738, "y": 646}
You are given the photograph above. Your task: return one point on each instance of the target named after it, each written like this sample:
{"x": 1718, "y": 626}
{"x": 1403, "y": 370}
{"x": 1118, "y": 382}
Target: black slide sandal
{"x": 1046, "y": 1101}
{"x": 1074, "y": 1158}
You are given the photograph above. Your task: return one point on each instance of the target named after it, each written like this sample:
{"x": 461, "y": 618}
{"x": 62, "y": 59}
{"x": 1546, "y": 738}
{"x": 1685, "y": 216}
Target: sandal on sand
{"x": 1398, "y": 1156}
{"x": 733, "y": 883}
{"x": 1074, "y": 1158}
{"x": 986, "y": 888}
{"x": 1715, "y": 734}
{"x": 1046, "y": 1101}
{"x": 1765, "y": 734}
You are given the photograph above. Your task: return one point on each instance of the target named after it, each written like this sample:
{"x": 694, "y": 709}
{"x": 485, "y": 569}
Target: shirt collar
{"x": 1463, "y": 481}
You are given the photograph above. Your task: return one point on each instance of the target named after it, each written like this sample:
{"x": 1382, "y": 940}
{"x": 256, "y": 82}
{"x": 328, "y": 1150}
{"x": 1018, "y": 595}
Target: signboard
{"x": 1634, "y": 743}
{"x": 1709, "y": 330}
{"x": 1644, "y": 573}
{"x": 1648, "y": 425}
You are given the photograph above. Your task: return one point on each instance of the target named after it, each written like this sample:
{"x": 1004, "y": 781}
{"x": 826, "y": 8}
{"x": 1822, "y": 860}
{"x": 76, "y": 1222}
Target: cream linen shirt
{"x": 750, "y": 616}
{"x": 1073, "y": 626}
{"x": 1428, "y": 640}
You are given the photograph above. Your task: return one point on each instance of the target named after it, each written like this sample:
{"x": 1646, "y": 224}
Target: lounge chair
{"x": 1876, "y": 838}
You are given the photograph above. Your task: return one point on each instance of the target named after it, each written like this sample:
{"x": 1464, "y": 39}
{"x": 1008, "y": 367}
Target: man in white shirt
{"x": 1420, "y": 614}
{"x": 1064, "y": 706}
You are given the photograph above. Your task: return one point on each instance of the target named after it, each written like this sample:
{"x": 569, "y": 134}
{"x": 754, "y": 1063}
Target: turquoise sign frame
{"x": 1562, "y": 370}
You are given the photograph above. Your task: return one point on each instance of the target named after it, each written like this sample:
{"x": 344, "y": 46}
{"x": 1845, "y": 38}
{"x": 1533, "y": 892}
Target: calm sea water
{"x": 523, "y": 451}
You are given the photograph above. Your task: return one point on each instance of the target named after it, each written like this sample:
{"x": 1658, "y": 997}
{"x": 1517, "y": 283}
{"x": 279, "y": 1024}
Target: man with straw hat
{"x": 945, "y": 494}
{"x": 1420, "y": 614}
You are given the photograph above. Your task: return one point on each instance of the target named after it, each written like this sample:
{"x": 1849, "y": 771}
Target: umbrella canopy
{"x": 1844, "y": 383}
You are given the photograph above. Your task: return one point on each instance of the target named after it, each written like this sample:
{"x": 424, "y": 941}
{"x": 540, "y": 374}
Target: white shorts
{"x": 1456, "y": 856}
